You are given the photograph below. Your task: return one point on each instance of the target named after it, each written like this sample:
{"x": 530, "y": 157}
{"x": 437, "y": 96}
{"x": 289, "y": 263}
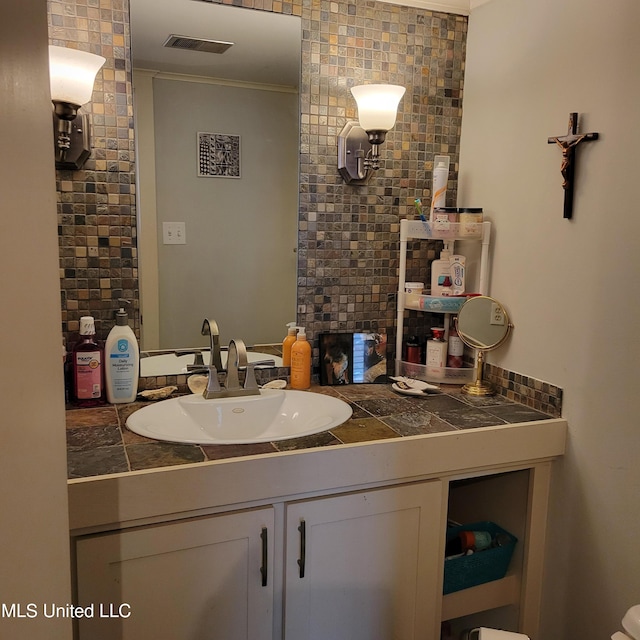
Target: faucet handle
{"x": 269, "y": 362}
{"x": 213, "y": 385}
{"x": 198, "y": 360}
{"x": 250, "y": 382}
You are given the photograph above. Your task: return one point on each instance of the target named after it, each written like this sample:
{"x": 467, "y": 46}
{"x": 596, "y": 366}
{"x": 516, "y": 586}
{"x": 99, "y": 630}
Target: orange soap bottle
{"x": 301, "y": 361}
{"x": 287, "y": 343}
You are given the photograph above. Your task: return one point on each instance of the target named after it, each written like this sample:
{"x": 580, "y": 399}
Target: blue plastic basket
{"x": 480, "y": 567}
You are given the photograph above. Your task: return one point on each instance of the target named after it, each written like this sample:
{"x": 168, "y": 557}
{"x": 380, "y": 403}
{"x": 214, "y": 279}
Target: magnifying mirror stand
{"x": 482, "y": 324}
{"x": 479, "y": 387}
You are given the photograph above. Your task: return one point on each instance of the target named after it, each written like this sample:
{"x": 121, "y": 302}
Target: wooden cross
{"x": 568, "y": 145}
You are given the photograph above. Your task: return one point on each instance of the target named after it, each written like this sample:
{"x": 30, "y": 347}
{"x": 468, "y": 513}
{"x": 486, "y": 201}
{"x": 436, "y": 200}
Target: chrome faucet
{"x": 210, "y": 328}
{"x": 236, "y": 359}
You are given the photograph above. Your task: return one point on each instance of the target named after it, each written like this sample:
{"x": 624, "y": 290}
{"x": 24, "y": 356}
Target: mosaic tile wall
{"x": 96, "y": 205}
{"x": 349, "y": 235}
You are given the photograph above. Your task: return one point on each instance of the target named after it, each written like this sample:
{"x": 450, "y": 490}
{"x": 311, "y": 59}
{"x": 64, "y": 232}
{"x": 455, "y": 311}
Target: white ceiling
{"x": 266, "y": 49}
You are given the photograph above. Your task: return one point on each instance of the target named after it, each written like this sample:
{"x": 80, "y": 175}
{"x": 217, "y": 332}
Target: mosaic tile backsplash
{"x": 348, "y": 240}
{"x": 531, "y": 392}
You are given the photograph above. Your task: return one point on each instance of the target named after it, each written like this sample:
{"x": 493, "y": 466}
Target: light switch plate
{"x": 174, "y": 233}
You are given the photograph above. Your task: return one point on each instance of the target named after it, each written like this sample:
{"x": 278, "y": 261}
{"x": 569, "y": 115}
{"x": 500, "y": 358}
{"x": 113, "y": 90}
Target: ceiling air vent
{"x": 196, "y": 44}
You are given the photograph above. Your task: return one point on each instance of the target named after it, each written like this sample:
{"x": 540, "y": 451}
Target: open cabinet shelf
{"x": 513, "y": 501}
{"x": 491, "y": 595}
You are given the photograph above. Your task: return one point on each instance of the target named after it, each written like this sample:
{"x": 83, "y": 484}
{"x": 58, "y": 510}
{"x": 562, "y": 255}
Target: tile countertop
{"x": 98, "y": 442}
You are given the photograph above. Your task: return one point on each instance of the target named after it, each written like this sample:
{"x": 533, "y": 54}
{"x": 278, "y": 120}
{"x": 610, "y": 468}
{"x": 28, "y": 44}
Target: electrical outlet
{"x": 497, "y": 314}
{"x": 174, "y": 233}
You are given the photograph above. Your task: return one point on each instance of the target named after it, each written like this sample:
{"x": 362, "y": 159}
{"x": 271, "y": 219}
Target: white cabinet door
{"x": 365, "y": 566}
{"x": 198, "y": 579}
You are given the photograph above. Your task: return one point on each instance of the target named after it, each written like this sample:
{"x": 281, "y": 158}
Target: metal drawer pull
{"x": 265, "y": 557}
{"x": 303, "y": 546}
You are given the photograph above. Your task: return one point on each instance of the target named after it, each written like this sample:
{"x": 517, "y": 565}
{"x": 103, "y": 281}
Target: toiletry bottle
{"x": 287, "y": 343}
{"x": 455, "y": 350}
{"x": 470, "y": 221}
{"x": 414, "y": 357}
{"x": 457, "y": 271}
{"x": 468, "y": 541}
{"x": 437, "y": 350}
{"x": 440, "y": 269}
{"x": 122, "y": 361}
{"x": 301, "y": 361}
{"x": 88, "y": 367}
{"x": 439, "y": 183}
{"x": 413, "y": 350}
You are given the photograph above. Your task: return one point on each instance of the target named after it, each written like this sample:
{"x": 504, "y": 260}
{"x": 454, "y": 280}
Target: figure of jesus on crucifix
{"x": 568, "y": 145}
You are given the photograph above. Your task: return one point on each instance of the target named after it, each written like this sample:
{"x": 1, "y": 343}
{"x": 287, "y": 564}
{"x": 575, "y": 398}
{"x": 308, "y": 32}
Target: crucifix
{"x": 568, "y": 145}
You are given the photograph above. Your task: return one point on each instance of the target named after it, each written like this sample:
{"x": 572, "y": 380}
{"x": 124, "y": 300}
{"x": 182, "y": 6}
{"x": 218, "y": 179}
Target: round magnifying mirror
{"x": 483, "y": 324}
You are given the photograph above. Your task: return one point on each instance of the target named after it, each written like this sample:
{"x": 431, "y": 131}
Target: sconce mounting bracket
{"x": 353, "y": 141}
{"x": 79, "y": 143}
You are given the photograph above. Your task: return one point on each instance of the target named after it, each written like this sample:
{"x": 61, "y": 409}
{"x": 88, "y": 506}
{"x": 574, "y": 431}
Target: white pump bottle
{"x": 122, "y": 361}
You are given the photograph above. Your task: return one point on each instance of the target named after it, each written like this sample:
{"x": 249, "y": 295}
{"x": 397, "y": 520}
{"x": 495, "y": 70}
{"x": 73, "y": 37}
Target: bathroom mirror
{"x": 483, "y": 324}
{"x": 219, "y": 242}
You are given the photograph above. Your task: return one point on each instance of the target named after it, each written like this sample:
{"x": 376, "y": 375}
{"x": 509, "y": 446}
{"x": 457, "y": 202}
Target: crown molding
{"x": 182, "y": 77}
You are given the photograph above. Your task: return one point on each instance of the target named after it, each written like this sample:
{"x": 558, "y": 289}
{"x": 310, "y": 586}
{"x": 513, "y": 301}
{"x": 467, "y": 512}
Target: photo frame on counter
{"x": 352, "y": 358}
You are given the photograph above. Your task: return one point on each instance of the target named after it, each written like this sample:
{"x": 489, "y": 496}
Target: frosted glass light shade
{"x": 377, "y": 105}
{"x": 72, "y": 74}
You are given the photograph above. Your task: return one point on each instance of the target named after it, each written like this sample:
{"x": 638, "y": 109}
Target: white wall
{"x": 570, "y": 286}
{"x": 34, "y": 535}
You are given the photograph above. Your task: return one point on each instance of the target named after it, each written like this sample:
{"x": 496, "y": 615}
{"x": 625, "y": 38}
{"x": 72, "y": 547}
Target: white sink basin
{"x": 273, "y": 415}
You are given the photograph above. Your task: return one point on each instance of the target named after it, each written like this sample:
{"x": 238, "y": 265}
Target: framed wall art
{"x": 218, "y": 155}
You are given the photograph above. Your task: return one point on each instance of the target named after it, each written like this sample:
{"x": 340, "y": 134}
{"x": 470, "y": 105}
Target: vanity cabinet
{"x": 450, "y": 232}
{"x": 356, "y": 567}
{"x": 340, "y": 543}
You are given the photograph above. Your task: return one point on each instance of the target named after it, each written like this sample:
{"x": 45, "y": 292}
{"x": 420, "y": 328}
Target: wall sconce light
{"x": 71, "y": 74}
{"x": 358, "y": 142}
